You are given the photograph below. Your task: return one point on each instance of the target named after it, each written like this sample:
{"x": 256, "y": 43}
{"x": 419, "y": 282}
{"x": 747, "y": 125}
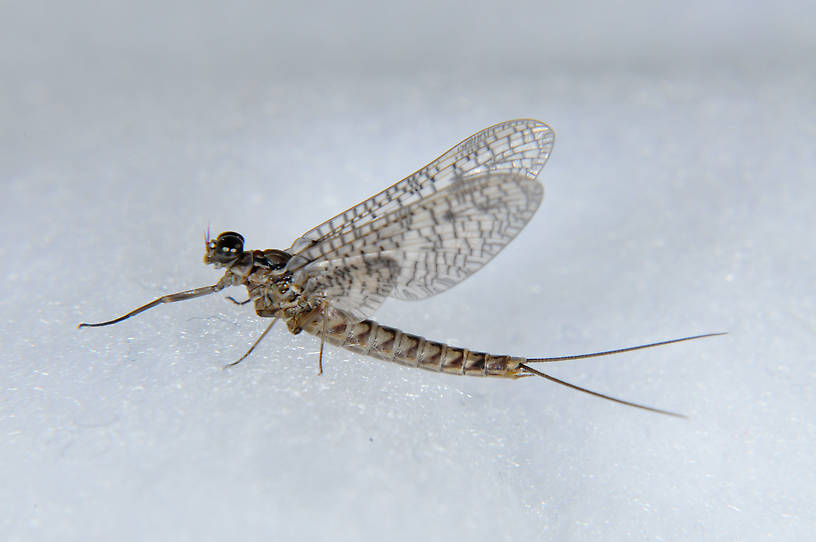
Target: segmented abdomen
{"x": 371, "y": 339}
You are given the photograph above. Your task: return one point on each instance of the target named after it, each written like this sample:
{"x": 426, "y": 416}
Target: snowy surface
{"x": 679, "y": 200}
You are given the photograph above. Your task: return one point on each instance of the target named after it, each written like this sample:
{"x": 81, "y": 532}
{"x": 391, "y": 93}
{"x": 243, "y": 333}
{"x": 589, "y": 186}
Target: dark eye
{"x": 229, "y": 244}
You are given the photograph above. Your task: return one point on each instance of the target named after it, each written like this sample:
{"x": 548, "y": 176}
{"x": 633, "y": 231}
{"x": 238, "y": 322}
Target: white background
{"x": 679, "y": 200}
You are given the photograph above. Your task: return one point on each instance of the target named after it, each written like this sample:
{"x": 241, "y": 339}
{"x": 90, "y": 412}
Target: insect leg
{"x": 322, "y": 341}
{"x": 170, "y": 298}
{"x": 238, "y": 302}
{"x": 251, "y": 348}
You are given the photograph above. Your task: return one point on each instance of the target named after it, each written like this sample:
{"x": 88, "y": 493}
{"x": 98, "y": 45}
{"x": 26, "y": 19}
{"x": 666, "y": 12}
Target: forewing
{"x": 518, "y": 146}
{"x": 455, "y": 233}
{"x": 429, "y": 245}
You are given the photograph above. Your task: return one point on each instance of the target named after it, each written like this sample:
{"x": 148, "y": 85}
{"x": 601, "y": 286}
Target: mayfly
{"x": 413, "y": 240}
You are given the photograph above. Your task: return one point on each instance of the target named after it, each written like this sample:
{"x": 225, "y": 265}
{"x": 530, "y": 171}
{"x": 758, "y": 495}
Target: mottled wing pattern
{"x": 431, "y": 230}
{"x": 356, "y": 284}
{"x": 440, "y": 241}
{"x": 518, "y": 146}
{"x": 427, "y": 247}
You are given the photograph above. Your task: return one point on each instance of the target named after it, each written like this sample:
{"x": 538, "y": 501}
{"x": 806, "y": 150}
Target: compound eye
{"x": 229, "y": 244}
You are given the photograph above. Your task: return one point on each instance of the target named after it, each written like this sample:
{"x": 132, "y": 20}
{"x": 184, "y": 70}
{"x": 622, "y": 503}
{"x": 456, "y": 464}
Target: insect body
{"x": 413, "y": 240}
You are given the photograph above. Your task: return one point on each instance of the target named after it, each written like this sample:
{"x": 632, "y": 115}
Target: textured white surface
{"x": 679, "y": 199}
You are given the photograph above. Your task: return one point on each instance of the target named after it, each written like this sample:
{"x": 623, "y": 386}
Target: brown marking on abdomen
{"x": 382, "y": 344}
{"x": 389, "y": 344}
{"x": 454, "y": 360}
{"x": 475, "y": 364}
{"x": 431, "y": 351}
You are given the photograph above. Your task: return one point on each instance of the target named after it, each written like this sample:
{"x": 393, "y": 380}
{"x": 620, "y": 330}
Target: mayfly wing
{"x": 434, "y": 228}
{"x": 518, "y": 146}
{"x": 424, "y": 248}
{"x": 355, "y": 284}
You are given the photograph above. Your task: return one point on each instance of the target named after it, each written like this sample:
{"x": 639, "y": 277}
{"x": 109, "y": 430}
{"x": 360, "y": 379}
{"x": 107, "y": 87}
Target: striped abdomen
{"x": 389, "y": 344}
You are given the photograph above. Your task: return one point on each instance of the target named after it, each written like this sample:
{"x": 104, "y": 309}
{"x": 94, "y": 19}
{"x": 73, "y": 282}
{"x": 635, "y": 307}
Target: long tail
{"x": 531, "y": 371}
{"x": 622, "y": 350}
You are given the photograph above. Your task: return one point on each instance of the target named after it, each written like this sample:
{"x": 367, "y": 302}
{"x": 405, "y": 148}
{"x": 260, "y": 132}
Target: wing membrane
{"x": 357, "y": 285}
{"x": 431, "y": 230}
{"x": 518, "y": 146}
{"x": 429, "y": 246}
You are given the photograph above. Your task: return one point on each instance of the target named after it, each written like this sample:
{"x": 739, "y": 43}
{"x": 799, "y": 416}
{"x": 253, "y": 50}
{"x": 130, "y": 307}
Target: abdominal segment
{"x": 386, "y": 343}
